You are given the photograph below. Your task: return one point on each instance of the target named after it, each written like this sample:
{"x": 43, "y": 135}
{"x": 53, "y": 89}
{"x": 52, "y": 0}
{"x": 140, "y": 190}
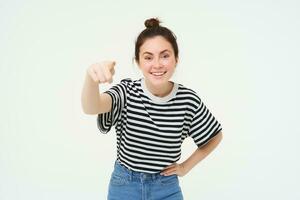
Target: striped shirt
{"x": 151, "y": 129}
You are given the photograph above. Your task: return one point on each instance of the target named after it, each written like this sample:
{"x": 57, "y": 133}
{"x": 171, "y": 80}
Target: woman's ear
{"x": 136, "y": 62}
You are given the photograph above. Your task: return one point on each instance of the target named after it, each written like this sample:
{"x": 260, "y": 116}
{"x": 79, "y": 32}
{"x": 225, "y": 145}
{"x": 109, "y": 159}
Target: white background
{"x": 241, "y": 57}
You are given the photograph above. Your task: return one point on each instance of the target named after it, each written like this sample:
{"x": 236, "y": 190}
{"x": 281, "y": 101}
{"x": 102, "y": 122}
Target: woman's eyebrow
{"x": 146, "y": 52}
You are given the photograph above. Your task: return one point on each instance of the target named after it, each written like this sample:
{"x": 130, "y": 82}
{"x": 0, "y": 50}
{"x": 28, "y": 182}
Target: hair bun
{"x": 152, "y": 22}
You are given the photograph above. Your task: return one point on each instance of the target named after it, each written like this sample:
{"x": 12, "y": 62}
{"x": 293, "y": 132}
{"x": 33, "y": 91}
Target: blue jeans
{"x": 126, "y": 184}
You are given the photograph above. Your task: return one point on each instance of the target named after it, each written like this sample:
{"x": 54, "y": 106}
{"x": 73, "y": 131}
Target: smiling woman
{"x": 152, "y": 117}
{"x": 157, "y": 63}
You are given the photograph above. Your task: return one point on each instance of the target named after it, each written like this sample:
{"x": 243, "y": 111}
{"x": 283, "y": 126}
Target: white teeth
{"x": 158, "y": 73}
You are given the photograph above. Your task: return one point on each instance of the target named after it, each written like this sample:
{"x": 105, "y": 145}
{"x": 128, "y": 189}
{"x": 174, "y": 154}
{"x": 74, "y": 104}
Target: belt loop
{"x": 154, "y": 177}
{"x": 130, "y": 174}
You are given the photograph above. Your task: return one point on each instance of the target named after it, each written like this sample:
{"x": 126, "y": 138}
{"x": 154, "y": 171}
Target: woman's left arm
{"x": 198, "y": 155}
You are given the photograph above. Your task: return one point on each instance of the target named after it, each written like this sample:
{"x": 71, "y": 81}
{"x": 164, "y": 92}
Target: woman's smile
{"x": 158, "y": 74}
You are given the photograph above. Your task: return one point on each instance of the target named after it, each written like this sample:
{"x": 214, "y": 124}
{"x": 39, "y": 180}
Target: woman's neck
{"x": 161, "y": 90}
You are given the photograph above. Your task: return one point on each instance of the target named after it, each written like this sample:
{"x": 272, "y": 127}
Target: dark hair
{"x": 154, "y": 29}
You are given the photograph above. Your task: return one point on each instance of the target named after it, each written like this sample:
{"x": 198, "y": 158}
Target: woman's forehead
{"x": 156, "y": 45}
{"x": 160, "y": 52}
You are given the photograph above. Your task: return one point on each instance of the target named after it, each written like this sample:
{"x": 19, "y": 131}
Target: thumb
{"x": 111, "y": 67}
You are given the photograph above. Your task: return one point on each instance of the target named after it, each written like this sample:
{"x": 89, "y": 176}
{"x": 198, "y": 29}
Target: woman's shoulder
{"x": 130, "y": 82}
{"x": 188, "y": 94}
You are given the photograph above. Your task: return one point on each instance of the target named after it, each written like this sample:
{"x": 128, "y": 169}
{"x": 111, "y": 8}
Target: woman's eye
{"x": 166, "y": 56}
{"x": 147, "y": 58}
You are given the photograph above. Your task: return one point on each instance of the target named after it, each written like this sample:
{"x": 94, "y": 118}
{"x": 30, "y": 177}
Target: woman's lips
{"x": 158, "y": 73}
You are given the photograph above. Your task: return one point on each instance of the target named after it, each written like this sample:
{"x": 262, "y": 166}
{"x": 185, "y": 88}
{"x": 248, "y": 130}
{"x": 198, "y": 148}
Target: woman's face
{"x": 157, "y": 60}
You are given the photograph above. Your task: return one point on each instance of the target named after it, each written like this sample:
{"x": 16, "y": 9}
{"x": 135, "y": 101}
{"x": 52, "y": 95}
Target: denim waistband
{"x": 119, "y": 168}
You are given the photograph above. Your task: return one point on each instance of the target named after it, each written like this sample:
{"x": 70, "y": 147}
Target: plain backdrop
{"x": 241, "y": 57}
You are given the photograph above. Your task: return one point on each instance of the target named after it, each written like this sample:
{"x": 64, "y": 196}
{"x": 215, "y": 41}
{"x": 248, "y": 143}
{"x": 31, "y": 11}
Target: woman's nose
{"x": 157, "y": 63}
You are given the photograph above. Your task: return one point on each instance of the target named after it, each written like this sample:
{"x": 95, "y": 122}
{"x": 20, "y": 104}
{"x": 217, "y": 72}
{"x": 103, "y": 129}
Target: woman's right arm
{"x": 92, "y": 101}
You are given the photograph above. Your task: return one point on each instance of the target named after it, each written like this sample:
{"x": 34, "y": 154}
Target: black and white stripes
{"x": 150, "y": 130}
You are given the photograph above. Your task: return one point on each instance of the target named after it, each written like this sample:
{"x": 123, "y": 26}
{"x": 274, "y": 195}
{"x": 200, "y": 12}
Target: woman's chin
{"x": 158, "y": 80}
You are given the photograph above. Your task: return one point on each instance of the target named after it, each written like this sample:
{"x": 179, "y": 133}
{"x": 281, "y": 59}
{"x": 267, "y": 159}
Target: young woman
{"x": 152, "y": 116}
